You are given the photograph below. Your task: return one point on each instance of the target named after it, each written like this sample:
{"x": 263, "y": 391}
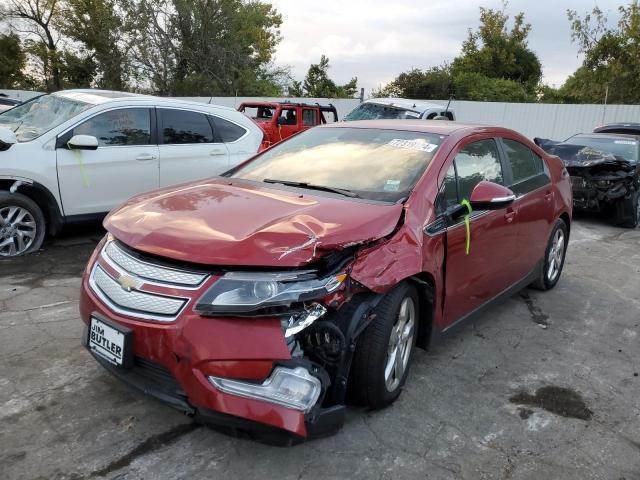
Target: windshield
{"x": 626, "y": 148}
{"x": 374, "y": 111}
{"x": 259, "y": 114}
{"x": 39, "y": 115}
{"x": 373, "y": 163}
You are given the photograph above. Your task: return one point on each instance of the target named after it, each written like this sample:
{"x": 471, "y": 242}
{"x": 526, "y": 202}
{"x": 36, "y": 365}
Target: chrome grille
{"x": 134, "y": 302}
{"x": 165, "y": 275}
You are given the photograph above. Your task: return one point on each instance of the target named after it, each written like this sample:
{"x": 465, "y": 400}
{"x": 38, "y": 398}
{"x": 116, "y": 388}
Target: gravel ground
{"x": 545, "y": 385}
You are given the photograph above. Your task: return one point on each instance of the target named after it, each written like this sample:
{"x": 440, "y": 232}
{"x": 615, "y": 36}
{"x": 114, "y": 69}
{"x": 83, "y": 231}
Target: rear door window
{"x": 309, "y": 117}
{"x": 527, "y": 168}
{"x": 524, "y": 164}
{"x": 184, "y": 127}
{"x": 475, "y": 162}
{"x": 121, "y": 127}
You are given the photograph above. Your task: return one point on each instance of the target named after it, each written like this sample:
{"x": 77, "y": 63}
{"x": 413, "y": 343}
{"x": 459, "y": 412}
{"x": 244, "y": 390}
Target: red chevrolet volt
{"x": 260, "y": 300}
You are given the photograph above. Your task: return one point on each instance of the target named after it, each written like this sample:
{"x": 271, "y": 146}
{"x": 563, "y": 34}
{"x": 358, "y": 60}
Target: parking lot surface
{"x": 544, "y": 385}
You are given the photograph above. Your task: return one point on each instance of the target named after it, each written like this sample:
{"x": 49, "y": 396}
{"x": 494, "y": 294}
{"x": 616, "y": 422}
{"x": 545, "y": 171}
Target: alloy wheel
{"x": 17, "y": 230}
{"x": 400, "y": 344}
{"x": 556, "y": 255}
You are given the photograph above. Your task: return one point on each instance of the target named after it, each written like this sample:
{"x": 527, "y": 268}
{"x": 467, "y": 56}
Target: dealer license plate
{"x": 106, "y": 341}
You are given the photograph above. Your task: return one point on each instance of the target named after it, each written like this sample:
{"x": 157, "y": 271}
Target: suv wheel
{"x": 383, "y": 353}
{"x": 554, "y": 257}
{"x": 628, "y": 211}
{"x": 22, "y": 225}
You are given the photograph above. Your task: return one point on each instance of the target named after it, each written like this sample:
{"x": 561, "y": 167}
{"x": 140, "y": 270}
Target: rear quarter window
{"x": 228, "y": 131}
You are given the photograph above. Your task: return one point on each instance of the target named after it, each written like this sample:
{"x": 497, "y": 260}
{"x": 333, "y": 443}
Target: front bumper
{"x": 172, "y": 362}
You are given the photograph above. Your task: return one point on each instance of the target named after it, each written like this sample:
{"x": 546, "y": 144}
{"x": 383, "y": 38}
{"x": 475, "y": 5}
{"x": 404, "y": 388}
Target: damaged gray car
{"x": 605, "y": 173}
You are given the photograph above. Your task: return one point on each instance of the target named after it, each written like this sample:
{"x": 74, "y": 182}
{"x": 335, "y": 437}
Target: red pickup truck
{"x": 280, "y": 120}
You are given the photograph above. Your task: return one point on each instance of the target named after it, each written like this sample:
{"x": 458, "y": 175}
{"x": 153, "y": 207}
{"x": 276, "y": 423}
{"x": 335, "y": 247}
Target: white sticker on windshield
{"x": 418, "y": 144}
{"x": 624, "y": 142}
{"x": 392, "y": 186}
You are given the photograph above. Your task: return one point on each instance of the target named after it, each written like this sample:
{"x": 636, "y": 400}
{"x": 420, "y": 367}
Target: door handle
{"x": 143, "y": 157}
{"x": 217, "y": 151}
{"x": 509, "y": 216}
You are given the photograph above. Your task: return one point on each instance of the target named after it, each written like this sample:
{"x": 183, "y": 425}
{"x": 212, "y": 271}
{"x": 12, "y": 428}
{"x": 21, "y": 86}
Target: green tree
{"x": 99, "y": 26}
{"x": 205, "y": 47}
{"x": 611, "y": 57}
{"x": 35, "y": 18}
{"x": 495, "y": 51}
{"x": 12, "y": 61}
{"x": 433, "y": 83}
{"x": 318, "y": 84}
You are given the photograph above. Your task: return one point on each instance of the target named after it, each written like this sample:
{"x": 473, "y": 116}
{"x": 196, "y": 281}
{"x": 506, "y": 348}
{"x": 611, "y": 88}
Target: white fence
{"x": 555, "y": 121}
{"x": 531, "y": 119}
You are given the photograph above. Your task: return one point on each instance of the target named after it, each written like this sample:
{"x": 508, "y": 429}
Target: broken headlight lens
{"x": 241, "y": 293}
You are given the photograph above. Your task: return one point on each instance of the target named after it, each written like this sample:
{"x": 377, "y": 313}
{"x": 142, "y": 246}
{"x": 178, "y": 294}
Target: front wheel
{"x": 22, "y": 225}
{"x": 383, "y": 353}
{"x": 628, "y": 211}
{"x": 554, "y": 257}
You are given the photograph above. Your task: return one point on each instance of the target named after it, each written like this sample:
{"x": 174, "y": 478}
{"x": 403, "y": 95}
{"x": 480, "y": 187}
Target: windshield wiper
{"x": 311, "y": 186}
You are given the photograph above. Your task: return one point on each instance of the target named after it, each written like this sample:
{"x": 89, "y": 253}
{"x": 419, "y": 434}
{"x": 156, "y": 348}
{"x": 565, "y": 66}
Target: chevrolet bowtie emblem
{"x": 127, "y": 282}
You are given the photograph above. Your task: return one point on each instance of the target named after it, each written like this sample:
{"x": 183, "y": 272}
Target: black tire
{"x": 627, "y": 211}
{"x": 367, "y": 383}
{"x": 8, "y": 200}
{"x": 546, "y": 281}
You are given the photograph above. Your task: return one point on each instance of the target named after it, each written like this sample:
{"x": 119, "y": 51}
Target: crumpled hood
{"x": 577, "y": 156}
{"x": 214, "y": 222}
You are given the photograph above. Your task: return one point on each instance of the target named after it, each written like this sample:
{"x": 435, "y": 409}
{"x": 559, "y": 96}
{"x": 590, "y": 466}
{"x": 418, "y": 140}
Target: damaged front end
{"x": 599, "y": 180}
{"x": 322, "y": 311}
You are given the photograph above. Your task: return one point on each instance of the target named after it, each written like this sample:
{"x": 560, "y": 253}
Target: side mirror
{"x": 83, "y": 142}
{"x": 490, "y": 196}
{"x": 7, "y": 138}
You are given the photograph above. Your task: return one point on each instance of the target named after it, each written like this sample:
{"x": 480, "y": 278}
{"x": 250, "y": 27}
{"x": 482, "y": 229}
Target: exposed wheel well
{"x": 425, "y": 285}
{"x": 44, "y": 199}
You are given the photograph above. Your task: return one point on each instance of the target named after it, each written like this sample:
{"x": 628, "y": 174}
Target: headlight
{"x": 245, "y": 292}
{"x": 603, "y": 183}
{"x": 296, "y": 388}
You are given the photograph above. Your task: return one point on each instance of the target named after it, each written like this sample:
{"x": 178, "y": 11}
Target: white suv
{"x": 74, "y": 155}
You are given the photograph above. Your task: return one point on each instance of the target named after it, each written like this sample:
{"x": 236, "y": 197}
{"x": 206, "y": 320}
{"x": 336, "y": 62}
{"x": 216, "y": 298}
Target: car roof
{"x": 417, "y": 105}
{"x": 97, "y": 97}
{"x": 612, "y": 136}
{"x": 439, "y": 127}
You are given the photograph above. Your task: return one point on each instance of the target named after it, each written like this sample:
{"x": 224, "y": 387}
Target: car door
{"x": 530, "y": 181}
{"x": 124, "y": 164}
{"x": 188, "y": 147}
{"x": 236, "y": 139}
{"x": 473, "y": 279}
{"x": 288, "y": 122}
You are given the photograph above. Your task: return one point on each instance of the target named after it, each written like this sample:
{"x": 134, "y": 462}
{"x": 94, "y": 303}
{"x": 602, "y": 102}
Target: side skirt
{"x": 440, "y": 334}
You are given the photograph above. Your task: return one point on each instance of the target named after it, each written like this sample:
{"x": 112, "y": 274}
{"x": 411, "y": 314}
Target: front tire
{"x": 383, "y": 353}
{"x": 627, "y": 211}
{"x": 554, "y": 257}
{"x": 22, "y": 225}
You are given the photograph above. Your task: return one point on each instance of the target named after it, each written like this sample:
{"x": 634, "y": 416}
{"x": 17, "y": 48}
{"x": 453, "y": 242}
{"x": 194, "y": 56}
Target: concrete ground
{"x": 481, "y": 405}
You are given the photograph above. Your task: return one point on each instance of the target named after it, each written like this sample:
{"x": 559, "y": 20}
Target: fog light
{"x": 291, "y": 388}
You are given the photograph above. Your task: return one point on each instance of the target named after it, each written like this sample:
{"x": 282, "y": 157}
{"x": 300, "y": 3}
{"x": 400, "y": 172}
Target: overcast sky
{"x": 375, "y": 39}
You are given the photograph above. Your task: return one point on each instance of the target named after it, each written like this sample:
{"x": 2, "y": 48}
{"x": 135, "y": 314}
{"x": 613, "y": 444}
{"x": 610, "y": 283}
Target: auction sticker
{"x": 417, "y": 144}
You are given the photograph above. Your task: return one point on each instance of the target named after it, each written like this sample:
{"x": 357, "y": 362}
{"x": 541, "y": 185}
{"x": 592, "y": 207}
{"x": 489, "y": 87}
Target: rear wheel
{"x": 383, "y": 354}
{"x": 554, "y": 257}
{"x": 22, "y": 225}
